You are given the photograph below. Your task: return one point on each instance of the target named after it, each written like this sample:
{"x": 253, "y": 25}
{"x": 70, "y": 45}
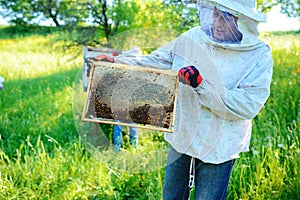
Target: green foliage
{"x": 289, "y": 7}
{"x": 109, "y": 16}
{"x": 42, "y": 157}
{"x": 24, "y": 12}
{"x": 180, "y": 16}
{"x": 19, "y": 12}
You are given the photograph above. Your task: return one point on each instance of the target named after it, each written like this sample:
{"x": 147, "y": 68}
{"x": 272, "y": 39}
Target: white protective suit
{"x": 213, "y": 121}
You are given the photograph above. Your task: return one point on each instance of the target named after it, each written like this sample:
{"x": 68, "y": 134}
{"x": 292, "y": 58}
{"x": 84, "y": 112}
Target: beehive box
{"x": 131, "y": 96}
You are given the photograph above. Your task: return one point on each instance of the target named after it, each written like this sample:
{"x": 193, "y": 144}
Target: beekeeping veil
{"x": 230, "y": 23}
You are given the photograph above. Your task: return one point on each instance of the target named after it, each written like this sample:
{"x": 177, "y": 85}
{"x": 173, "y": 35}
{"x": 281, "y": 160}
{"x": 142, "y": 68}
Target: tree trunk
{"x": 53, "y": 17}
{"x": 107, "y": 29}
{"x": 55, "y": 21}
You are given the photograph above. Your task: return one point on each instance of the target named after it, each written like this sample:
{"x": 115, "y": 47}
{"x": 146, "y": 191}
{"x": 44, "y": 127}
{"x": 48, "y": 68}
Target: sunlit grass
{"x": 35, "y": 56}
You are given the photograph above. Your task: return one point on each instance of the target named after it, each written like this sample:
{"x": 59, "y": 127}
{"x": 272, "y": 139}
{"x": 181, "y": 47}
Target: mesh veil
{"x": 226, "y": 27}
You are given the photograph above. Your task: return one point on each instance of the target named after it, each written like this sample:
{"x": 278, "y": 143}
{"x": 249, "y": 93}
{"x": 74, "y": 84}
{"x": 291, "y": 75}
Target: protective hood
{"x": 222, "y": 26}
{"x": 244, "y": 7}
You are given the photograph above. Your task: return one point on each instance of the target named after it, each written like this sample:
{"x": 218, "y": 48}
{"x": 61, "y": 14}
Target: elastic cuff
{"x": 197, "y": 82}
{"x": 199, "y": 79}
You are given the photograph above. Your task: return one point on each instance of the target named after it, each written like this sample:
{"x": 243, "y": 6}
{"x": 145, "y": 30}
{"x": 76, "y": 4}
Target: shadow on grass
{"x": 11, "y": 32}
{"x": 74, "y": 35}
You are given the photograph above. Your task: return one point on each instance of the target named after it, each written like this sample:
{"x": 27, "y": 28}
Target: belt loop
{"x": 192, "y": 173}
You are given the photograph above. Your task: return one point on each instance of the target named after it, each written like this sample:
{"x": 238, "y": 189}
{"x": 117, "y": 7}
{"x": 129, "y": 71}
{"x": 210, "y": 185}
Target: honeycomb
{"x": 132, "y": 95}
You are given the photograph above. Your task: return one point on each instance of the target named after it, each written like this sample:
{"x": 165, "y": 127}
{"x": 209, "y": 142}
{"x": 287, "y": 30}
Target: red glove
{"x": 190, "y": 75}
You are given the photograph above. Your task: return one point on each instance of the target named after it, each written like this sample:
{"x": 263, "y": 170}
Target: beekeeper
{"x": 225, "y": 73}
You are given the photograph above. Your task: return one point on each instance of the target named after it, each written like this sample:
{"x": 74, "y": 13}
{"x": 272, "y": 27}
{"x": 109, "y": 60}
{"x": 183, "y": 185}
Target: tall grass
{"x": 42, "y": 156}
{"x": 271, "y": 169}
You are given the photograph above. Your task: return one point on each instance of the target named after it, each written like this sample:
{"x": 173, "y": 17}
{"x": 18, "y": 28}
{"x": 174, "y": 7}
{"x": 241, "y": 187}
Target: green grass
{"x": 43, "y": 157}
{"x": 271, "y": 169}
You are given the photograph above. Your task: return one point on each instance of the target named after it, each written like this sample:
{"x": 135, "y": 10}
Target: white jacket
{"x": 213, "y": 121}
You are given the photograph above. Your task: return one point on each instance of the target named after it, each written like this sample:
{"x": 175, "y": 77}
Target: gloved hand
{"x": 190, "y": 75}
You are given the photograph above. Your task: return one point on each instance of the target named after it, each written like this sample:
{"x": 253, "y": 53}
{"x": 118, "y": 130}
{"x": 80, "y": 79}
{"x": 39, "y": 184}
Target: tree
{"x": 22, "y": 12}
{"x": 18, "y": 12}
{"x": 289, "y": 7}
{"x": 111, "y": 14}
{"x": 49, "y": 8}
{"x": 185, "y": 11}
{"x": 99, "y": 12}
{"x": 62, "y": 11}
{"x": 179, "y": 15}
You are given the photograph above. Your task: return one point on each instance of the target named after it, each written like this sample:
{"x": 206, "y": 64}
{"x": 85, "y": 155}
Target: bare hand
{"x": 104, "y": 58}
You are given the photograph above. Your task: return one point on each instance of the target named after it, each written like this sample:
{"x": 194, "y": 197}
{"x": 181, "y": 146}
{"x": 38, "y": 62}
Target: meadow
{"x": 42, "y": 155}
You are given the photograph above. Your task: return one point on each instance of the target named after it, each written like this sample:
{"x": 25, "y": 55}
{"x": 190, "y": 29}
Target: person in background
{"x": 117, "y": 129}
{"x": 225, "y": 72}
{"x": 1, "y": 83}
{"x": 118, "y": 137}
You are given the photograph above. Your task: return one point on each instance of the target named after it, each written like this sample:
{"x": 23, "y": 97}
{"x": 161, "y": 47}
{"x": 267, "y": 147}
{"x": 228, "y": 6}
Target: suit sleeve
{"x": 244, "y": 101}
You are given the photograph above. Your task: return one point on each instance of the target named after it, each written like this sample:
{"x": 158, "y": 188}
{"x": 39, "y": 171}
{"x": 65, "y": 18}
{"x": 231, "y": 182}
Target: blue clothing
{"x": 211, "y": 180}
{"x": 117, "y": 137}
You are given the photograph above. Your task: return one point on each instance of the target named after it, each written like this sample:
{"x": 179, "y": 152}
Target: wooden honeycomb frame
{"x": 133, "y": 96}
